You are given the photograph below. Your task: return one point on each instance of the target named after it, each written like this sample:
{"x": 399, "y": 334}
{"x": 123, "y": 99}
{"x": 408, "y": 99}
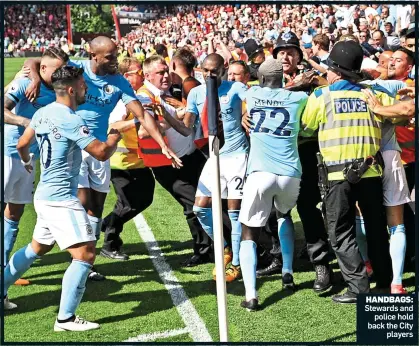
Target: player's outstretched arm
{"x": 404, "y": 109}
{"x": 32, "y": 91}
{"x": 179, "y": 126}
{"x": 13, "y": 119}
{"x": 149, "y": 124}
{"x": 102, "y": 151}
{"x": 23, "y": 146}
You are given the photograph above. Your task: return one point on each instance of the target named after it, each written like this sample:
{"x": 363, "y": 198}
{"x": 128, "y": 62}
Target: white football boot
{"x": 78, "y": 325}
{"x": 8, "y": 305}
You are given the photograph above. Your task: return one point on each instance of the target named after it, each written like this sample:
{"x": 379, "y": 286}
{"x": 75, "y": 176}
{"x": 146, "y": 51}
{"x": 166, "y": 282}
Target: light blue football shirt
{"x": 276, "y": 115}
{"x": 61, "y": 135}
{"x": 230, "y": 95}
{"x": 103, "y": 93}
{"x": 388, "y": 133}
{"x": 24, "y": 108}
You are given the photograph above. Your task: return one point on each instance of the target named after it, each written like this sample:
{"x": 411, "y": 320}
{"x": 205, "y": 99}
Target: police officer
{"x": 256, "y": 57}
{"x": 350, "y": 153}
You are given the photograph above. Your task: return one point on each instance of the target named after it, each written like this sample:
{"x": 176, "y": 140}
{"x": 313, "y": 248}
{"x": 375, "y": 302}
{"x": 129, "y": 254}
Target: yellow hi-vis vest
{"x": 126, "y": 154}
{"x": 348, "y": 130}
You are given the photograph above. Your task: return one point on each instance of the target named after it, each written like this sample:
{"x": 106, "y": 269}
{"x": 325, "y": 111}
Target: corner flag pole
{"x": 214, "y": 146}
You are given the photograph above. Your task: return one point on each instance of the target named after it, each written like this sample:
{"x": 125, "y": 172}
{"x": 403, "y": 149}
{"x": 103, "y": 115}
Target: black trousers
{"x": 134, "y": 189}
{"x": 311, "y": 216}
{"x": 181, "y": 184}
{"x": 340, "y": 214}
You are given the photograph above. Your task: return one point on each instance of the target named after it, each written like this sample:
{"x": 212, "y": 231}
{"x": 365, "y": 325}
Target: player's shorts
{"x": 94, "y": 174}
{"x": 63, "y": 222}
{"x": 395, "y": 188}
{"x": 19, "y": 184}
{"x": 263, "y": 188}
{"x": 232, "y": 175}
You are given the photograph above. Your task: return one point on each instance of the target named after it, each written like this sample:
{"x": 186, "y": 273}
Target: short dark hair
{"x": 55, "y": 53}
{"x": 160, "y": 49}
{"x": 410, "y": 55}
{"x": 186, "y": 58}
{"x": 65, "y": 76}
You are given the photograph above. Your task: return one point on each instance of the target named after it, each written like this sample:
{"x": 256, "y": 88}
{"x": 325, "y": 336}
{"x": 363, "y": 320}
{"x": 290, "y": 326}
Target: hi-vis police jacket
{"x": 348, "y": 130}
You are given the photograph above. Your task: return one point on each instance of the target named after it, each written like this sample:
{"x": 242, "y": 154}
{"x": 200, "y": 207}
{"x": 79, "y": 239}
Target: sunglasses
{"x": 139, "y": 72}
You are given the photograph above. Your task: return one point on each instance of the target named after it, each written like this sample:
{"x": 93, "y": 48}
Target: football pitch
{"x": 152, "y": 298}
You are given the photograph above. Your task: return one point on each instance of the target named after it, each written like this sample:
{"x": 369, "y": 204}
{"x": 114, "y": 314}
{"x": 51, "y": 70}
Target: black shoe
{"x": 251, "y": 306}
{"x": 288, "y": 282}
{"x": 115, "y": 255}
{"x": 95, "y": 276}
{"x": 323, "y": 278}
{"x": 273, "y": 268}
{"x": 346, "y": 298}
{"x": 194, "y": 261}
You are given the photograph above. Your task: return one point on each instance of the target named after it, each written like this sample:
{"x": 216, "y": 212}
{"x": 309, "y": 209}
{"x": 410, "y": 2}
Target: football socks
{"x": 18, "y": 265}
{"x": 74, "y": 285}
{"x": 236, "y": 233}
{"x": 10, "y": 233}
{"x": 286, "y": 239}
{"x": 248, "y": 262}
{"x": 397, "y": 251}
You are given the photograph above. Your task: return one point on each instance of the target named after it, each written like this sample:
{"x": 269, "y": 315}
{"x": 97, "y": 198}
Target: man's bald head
{"x": 102, "y": 44}
{"x": 213, "y": 64}
{"x": 214, "y": 59}
{"x": 104, "y": 54}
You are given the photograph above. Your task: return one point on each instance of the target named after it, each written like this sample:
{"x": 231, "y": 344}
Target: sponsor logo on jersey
{"x": 347, "y": 105}
{"x": 89, "y": 229}
{"x": 84, "y": 131}
{"x": 225, "y": 99}
{"x": 108, "y": 89}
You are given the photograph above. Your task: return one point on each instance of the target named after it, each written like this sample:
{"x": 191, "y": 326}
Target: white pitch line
{"x": 158, "y": 335}
{"x": 185, "y": 308}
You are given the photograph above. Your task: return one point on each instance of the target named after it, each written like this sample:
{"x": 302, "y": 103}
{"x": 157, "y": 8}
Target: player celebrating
{"x": 233, "y": 155}
{"x": 105, "y": 88}
{"x": 61, "y": 135}
{"x": 274, "y": 172}
{"x": 18, "y": 184}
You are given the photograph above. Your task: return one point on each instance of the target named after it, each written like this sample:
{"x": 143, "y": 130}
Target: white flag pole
{"x": 218, "y": 238}
{"x": 217, "y": 218}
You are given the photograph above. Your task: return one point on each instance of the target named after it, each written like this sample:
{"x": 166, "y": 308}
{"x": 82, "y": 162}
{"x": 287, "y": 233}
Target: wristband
{"x": 29, "y": 162}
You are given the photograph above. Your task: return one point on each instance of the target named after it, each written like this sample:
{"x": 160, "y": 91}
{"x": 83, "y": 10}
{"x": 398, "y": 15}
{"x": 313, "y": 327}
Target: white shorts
{"x": 19, "y": 184}
{"x": 94, "y": 174}
{"x": 263, "y": 188}
{"x": 232, "y": 175}
{"x": 395, "y": 188}
{"x": 63, "y": 222}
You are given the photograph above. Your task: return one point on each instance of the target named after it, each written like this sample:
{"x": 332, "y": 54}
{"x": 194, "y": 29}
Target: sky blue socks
{"x": 74, "y": 285}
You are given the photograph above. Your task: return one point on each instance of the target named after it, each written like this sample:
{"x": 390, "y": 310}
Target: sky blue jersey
{"x": 61, "y": 135}
{"x": 275, "y": 114}
{"x": 103, "y": 93}
{"x": 230, "y": 95}
{"x": 24, "y": 108}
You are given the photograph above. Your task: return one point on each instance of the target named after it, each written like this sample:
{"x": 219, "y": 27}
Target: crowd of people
{"x": 308, "y": 114}
{"x": 192, "y": 25}
{"x": 34, "y": 28}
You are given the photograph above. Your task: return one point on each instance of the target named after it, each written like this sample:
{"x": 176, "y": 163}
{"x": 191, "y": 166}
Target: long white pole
{"x": 214, "y": 146}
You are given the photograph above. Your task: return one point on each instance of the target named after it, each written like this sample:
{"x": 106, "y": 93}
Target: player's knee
{"x": 250, "y": 233}
{"x": 203, "y": 202}
{"x": 40, "y": 249}
{"x": 14, "y": 211}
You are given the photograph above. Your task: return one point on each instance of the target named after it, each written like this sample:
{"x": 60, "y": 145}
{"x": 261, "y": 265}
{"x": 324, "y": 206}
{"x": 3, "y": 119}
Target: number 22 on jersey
{"x": 262, "y": 116}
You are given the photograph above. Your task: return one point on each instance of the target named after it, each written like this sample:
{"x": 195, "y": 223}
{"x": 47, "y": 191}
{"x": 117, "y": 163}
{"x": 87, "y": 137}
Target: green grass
{"x": 134, "y": 300}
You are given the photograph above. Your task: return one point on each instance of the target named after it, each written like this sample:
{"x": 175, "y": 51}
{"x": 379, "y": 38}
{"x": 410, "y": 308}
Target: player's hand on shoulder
{"x": 32, "y": 90}
{"x": 23, "y": 72}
